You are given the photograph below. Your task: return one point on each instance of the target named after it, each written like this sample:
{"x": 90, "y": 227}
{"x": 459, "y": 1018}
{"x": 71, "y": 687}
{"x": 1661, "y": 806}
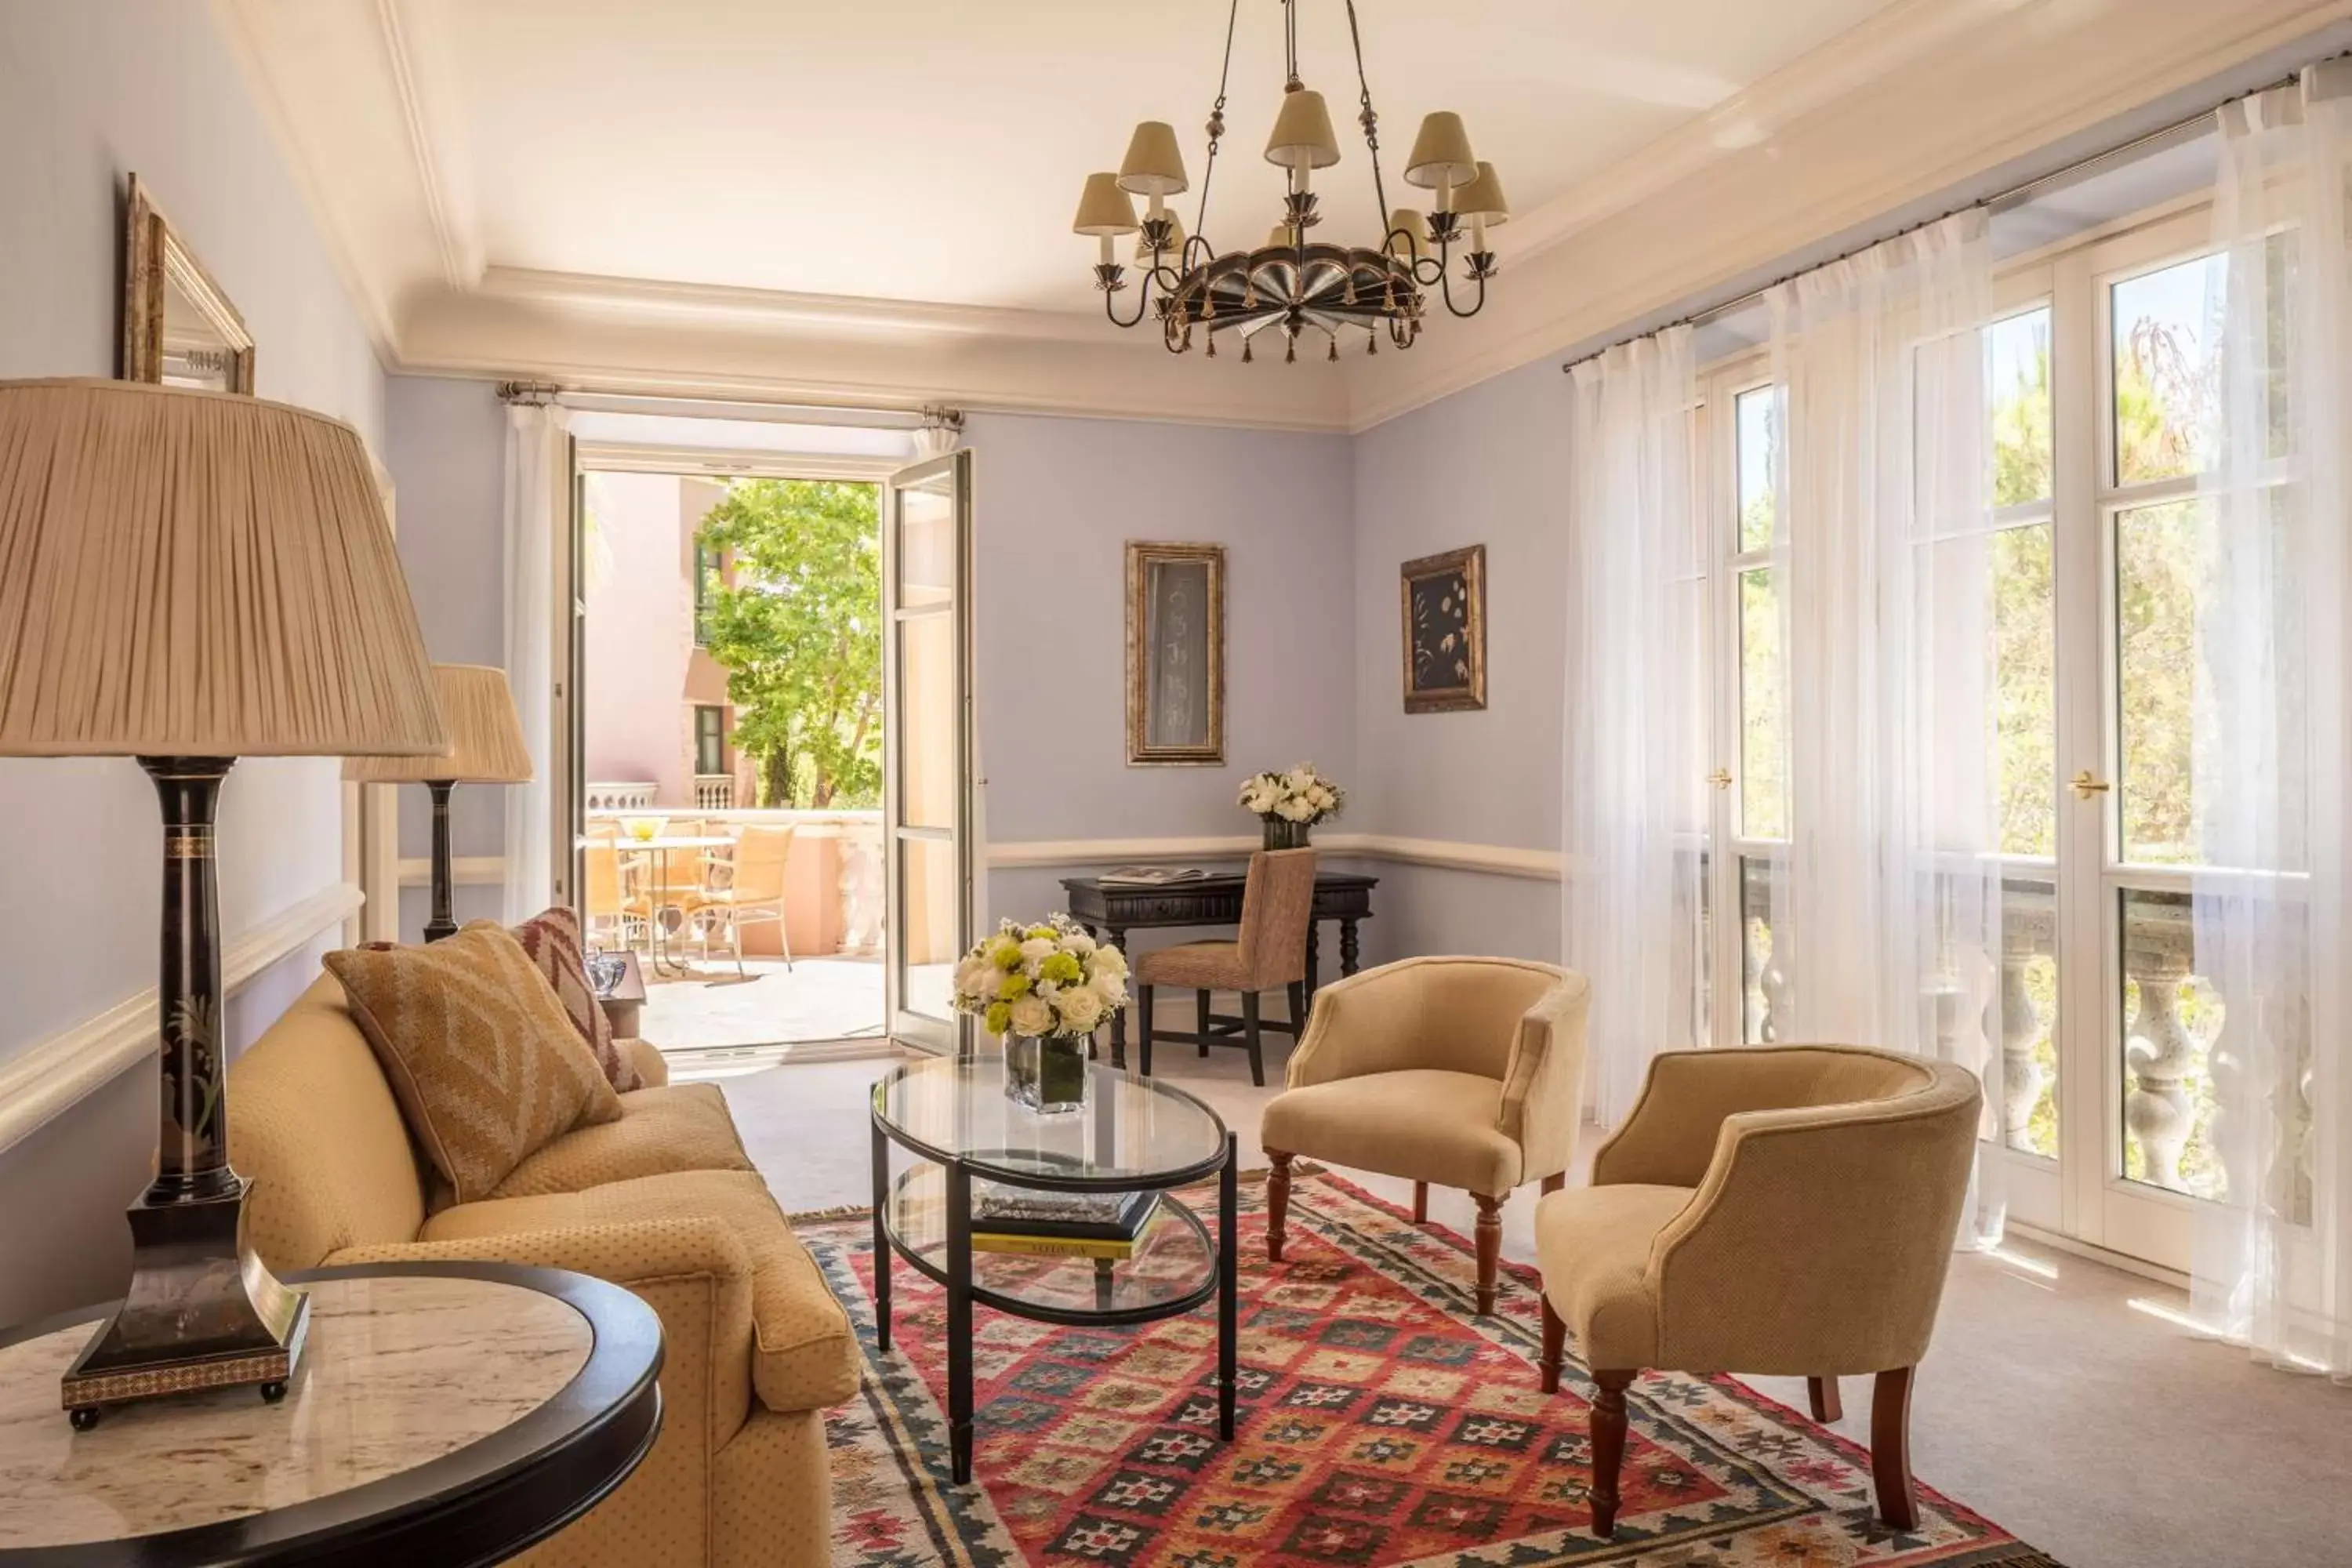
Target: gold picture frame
{"x": 1445, "y": 605}
{"x": 179, "y": 328}
{"x": 1175, "y": 655}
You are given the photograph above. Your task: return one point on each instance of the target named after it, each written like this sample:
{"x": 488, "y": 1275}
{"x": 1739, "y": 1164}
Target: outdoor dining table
{"x": 658, "y": 847}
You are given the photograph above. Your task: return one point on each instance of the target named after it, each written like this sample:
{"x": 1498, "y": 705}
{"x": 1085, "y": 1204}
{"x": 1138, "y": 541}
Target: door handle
{"x": 1720, "y": 778}
{"x": 2085, "y": 786}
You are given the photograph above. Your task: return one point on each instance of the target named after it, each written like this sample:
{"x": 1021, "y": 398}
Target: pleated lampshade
{"x": 484, "y": 735}
{"x": 198, "y": 574}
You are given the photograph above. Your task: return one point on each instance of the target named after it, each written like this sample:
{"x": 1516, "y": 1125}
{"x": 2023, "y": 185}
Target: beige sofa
{"x": 663, "y": 1201}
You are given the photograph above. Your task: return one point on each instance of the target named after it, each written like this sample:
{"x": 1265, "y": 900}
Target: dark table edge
{"x": 478, "y": 1504}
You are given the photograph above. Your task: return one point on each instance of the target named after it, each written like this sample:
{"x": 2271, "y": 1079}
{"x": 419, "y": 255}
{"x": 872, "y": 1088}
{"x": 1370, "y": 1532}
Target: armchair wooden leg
{"x": 1555, "y": 1345}
{"x": 1421, "y": 1203}
{"x": 1490, "y": 1249}
{"x": 1278, "y": 1202}
{"x": 1250, "y": 1037}
{"x": 1143, "y": 1029}
{"x": 1608, "y": 1446}
{"x": 1822, "y": 1393}
{"x": 1200, "y": 1021}
{"x": 1890, "y": 1448}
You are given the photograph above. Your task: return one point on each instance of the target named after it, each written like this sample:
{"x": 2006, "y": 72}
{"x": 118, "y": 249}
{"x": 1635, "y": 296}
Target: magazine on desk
{"x": 1151, "y": 876}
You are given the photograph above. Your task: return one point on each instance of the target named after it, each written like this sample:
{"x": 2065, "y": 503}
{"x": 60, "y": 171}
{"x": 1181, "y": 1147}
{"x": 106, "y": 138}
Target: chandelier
{"x": 1290, "y": 284}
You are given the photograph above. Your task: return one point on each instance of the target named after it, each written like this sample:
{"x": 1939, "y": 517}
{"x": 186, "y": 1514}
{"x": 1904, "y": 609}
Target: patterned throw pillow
{"x": 485, "y": 1065}
{"x": 553, "y": 940}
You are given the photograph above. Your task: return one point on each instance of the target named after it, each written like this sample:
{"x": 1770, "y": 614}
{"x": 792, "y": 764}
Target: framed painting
{"x": 1175, "y": 655}
{"x": 1445, "y": 601}
{"x": 179, "y": 329}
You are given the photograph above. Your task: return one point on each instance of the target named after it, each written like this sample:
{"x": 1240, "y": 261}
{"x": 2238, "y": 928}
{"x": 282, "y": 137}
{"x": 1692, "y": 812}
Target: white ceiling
{"x": 932, "y": 150}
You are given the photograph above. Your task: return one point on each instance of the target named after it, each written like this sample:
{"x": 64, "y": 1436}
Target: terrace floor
{"x": 830, "y": 997}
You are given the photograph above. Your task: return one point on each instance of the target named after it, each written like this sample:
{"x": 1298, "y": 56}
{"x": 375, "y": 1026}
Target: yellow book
{"x": 1053, "y": 1246}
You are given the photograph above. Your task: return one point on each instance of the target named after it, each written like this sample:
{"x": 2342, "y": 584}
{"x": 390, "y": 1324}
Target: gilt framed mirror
{"x": 1175, "y": 655}
{"x": 178, "y": 328}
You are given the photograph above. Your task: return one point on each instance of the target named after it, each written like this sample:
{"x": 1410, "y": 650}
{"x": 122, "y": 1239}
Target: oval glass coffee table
{"x": 1133, "y": 1135}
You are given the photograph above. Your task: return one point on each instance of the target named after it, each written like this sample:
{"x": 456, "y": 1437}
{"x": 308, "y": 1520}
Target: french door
{"x": 2103, "y": 1106}
{"x": 927, "y": 746}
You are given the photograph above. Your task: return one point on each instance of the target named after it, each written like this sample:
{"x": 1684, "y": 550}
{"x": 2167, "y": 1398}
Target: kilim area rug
{"x": 1380, "y": 1422}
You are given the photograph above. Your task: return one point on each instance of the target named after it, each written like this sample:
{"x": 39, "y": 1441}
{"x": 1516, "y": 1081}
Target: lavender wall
{"x": 445, "y": 445}
{"x": 89, "y": 93}
{"x": 1055, "y": 502}
{"x": 1485, "y": 466}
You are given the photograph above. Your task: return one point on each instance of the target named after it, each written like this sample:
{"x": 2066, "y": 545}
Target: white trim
{"x": 640, "y": 458}
{"x": 1496, "y": 859}
{"x": 465, "y": 872}
{"x": 46, "y": 1079}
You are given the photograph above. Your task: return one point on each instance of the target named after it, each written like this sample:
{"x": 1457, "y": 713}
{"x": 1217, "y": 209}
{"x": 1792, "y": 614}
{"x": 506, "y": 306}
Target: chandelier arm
{"x": 1445, "y": 288}
{"x": 1371, "y": 120}
{"x": 1216, "y": 129}
{"x": 1142, "y": 300}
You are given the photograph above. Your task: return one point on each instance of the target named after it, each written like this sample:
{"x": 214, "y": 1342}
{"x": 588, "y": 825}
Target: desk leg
{"x": 1228, "y": 1265}
{"x": 1117, "y": 935}
{"x": 881, "y": 1242}
{"x": 958, "y": 1261}
{"x": 1314, "y": 952}
{"x": 1348, "y": 949}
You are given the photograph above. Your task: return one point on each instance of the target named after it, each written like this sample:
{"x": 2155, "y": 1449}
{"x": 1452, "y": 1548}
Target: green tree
{"x": 798, "y": 626}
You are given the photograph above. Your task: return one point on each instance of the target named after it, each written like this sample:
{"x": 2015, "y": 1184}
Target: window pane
{"x": 2029, "y": 1015}
{"x": 2163, "y": 370}
{"x": 1763, "y": 709}
{"x": 2018, "y": 378}
{"x": 1760, "y": 982}
{"x": 2171, "y": 1017}
{"x": 1758, "y": 505}
{"x": 2158, "y": 566}
{"x": 2025, "y": 661}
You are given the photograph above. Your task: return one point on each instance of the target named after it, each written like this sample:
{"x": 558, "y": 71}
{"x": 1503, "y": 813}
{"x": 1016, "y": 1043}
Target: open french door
{"x": 927, "y": 746}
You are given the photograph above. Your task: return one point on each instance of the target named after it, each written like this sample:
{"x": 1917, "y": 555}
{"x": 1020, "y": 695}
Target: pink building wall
{"x": 644, "y": 673}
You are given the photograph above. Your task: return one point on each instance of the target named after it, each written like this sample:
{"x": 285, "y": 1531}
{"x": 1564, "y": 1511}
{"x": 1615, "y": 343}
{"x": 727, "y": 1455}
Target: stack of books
{"x": 1101, "y": 1225}
{"x": 1151, "y": 876}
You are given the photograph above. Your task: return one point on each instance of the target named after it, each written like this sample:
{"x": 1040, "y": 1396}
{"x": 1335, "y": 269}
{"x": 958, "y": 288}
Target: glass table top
{"x": 1132, "y": 1129}
{"x": 1174, "y": 1257}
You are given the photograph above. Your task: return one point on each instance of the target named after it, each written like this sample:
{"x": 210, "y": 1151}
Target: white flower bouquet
{"x": 1290, "y": 803}
{"x": 1044, "y": 988}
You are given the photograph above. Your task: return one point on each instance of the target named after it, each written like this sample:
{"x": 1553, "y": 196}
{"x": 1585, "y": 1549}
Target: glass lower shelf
{"x": 1174, "y": 1260}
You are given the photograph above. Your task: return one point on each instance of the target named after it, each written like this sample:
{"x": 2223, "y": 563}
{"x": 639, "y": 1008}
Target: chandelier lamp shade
{"x": 486, "y": 747}
{"x": 1294, "y": 285}
{"x": 189, "y": 577}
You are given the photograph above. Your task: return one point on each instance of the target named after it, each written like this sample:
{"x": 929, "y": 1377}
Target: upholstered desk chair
{"x": 1787, "y": 1211}
{"x": 1278, "y": 901}
{"x": 1467, "y": 1072}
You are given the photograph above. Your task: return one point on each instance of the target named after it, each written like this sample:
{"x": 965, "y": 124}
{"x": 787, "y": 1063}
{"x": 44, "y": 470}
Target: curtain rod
{"x": 2015, "y": 196}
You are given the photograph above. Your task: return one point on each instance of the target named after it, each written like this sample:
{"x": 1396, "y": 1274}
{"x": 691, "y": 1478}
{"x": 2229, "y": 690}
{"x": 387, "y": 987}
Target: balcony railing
{"x": 636, "y": 794}
{"x": 714, "y": 792}
{"x": 834, "y": 881}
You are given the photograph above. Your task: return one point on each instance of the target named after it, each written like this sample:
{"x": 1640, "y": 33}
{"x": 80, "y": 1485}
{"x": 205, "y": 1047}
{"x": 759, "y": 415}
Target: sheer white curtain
{"x": 537, "y": 518}
{"x": 2272, "y": 761}
{"x": 1634, "y": 814}
{"x": 1886, "y": 913}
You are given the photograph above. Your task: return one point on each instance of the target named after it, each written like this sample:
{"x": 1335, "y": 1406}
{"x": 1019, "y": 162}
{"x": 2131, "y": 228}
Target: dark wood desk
{"x": 1213, "y": 901}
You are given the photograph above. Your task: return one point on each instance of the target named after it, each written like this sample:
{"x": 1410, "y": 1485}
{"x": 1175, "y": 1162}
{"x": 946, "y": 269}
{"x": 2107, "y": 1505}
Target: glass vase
{"x": 1047, "y": 1074}
{"x": 1283, "y": 834}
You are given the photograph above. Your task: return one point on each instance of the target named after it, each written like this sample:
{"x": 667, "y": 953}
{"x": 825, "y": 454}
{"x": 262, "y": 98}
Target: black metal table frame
{"x": 963, "y": 1293}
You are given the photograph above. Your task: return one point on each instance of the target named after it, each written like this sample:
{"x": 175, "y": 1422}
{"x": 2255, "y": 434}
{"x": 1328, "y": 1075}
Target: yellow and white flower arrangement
{"x": 1045, "y": 980}
{"x": 1301, "y": 795}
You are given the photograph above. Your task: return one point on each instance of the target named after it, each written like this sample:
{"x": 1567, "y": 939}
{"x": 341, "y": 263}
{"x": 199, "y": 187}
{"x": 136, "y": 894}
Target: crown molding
{"x": 1897, "y": 112}
{"x": 443, "y": 174}
{"x": 651, "y": 299}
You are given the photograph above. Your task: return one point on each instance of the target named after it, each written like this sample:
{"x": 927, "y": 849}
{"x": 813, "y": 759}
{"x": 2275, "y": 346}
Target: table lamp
{"x": 187, "y": 578}
{"x": 487, "y": 748}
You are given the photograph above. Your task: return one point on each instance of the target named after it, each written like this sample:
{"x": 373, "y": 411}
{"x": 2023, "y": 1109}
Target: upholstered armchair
{"x": 1466, "y": 1072}
{"x": 1787, "y": 1211}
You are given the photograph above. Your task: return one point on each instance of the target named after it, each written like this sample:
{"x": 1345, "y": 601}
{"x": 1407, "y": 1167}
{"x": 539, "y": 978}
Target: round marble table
{"x": 442, "y": 1412}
